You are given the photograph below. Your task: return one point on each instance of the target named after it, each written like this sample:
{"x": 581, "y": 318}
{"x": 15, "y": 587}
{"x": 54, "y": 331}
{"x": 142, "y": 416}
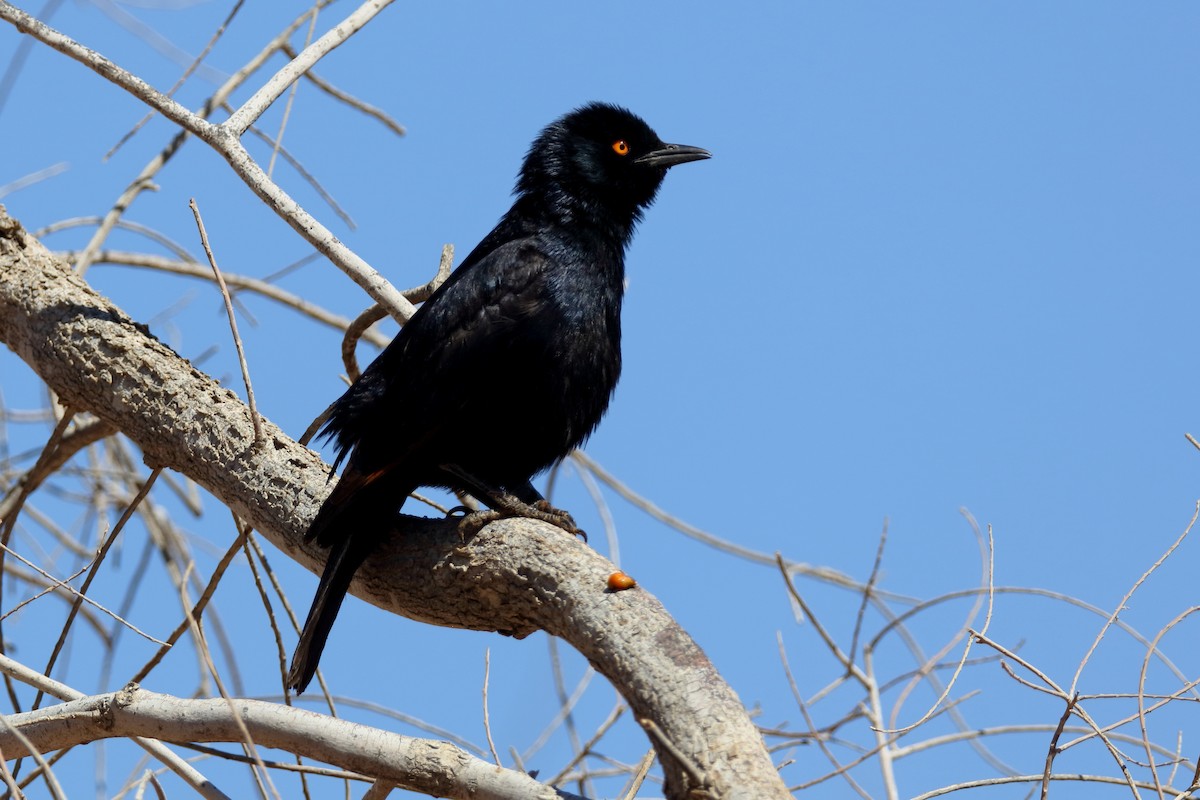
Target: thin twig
{"x": 187, "y": 73}
{"x": 358, "y": 105}
{"x": 606, "y": 517}
{"x": 663, "y": 743}
{"x": 1056, "y": 690}
{"x": 1053, "y": 750}
{"x": 958, "y": 736}
{"x": 1124, "y": 600}
{"x": 195, "y": 611}
{"x": 638, "y": 501}
{"x": 403, "y": 719}
{"x": 315, "y": 426}
{"x": 33, "y": 178}
{"x": 144, "y": 179}
{"x": 1195, "y": 784}
{"x": 639, "y": 777}
{"x": 94, "y": 570}
{"x": 288, "y": 104}
{"x": 354, "y": 331}
{"x": 1141, "y": 696}
{"x": 566, "y": 704}
{"x": 1018, "y": 779}
{"x": 988, "y": 555}
{"x": 237, "y": 339}
{"x": 33, "y": 478}
{"x": 262, "y": 776}
{"x": 308, "y": 177}
{"x": 10, "y": 781}
{"x": 280, "y": 648}
{"x": 838, "y": 768}
{"x": 487, "y": 724}
{"x": 53, "y": 587}
{"x": 225, "y": 138}
{"x": 848, "y": 665}
{"x": 584, "y": 751}
{"x": 883, "y": 738}
{"x": 10, "y": 510}
{"x": 261, "y": 100}
{"x": 362, "y": 323}
{"x": 866, "y": 594}
{"x": 64, "y": 584}
{"x": 896, "y": 623}
{"x": 153, "y": 235}
{"x": 235, "y": 282}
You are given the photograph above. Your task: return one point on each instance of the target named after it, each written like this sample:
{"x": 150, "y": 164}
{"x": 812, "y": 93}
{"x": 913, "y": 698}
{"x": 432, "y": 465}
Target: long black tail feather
{"x": 351, "y": 522}
{"x": 344, "y": 560}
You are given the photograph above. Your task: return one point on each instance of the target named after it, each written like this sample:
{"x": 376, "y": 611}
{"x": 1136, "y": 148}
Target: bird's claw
{"x": 510, "y": 506}
{"x": 559, "y": 518}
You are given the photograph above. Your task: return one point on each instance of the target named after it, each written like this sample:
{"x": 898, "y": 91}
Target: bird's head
{"x": 602, "y": 154}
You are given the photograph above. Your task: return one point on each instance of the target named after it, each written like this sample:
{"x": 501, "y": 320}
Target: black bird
{"x": 509, "y": 365}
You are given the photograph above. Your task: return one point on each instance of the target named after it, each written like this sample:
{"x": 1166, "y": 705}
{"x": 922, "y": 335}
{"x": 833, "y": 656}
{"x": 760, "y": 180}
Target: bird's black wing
{"x": 410, "y": 409}
{"x": 495, "y": 313}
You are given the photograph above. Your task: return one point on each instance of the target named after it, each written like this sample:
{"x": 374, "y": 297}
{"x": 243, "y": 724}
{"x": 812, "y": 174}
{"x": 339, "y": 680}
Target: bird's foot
{"x": 509, "y": 506}
{"x": 559, "y": 518}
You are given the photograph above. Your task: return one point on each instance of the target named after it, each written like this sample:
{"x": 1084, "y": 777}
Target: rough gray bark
{"x": 514, "y": 576}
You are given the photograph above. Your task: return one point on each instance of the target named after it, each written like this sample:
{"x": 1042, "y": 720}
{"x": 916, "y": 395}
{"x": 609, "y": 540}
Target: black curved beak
{"x": 671, "y": 154}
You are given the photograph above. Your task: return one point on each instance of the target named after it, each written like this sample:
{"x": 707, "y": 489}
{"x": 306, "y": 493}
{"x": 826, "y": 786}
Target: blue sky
{"x": 944, "y": 256}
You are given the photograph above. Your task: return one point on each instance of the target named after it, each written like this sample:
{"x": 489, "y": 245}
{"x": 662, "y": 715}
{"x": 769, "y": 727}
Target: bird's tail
{"x": 351, "y": 522}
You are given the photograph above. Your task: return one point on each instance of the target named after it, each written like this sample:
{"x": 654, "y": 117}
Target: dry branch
{"x": 514, "y": 576}
{"x": 436, "y": 768}
{"x": 225, "y": 138}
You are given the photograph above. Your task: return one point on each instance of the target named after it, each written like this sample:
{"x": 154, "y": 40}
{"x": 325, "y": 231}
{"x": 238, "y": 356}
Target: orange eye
{"x": 621, "y": 147}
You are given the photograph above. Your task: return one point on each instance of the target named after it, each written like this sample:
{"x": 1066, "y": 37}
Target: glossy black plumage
{"x": 510, "y": 364}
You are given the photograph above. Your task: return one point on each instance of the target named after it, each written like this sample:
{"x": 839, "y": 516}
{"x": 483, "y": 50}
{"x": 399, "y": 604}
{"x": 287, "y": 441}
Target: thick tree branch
{"x": 515, "y": 576}
{"x": 439, "y": 769}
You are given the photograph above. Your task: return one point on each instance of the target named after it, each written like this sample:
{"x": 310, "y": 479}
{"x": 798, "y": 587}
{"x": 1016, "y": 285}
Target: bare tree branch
{"x": 514, "y": 576}
{"x": 225, "y": 137}
{"x": 425, "y": 765}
